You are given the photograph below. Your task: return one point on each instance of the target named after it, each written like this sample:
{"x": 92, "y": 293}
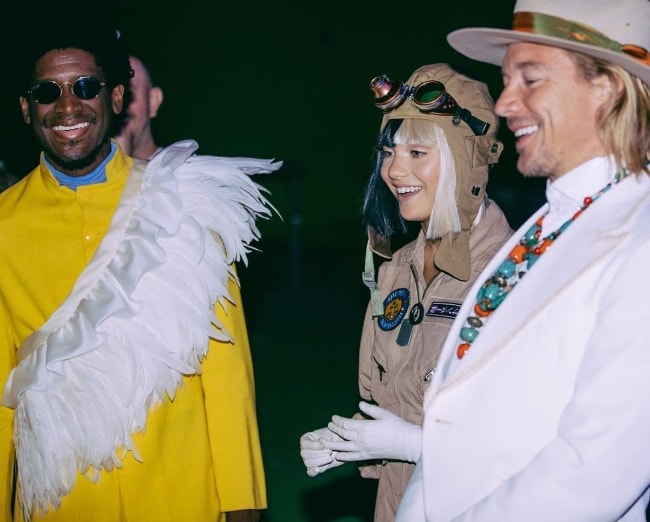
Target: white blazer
{"x": 547, "y": 417}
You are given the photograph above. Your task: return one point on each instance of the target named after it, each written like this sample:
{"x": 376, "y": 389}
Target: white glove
{"x": 388, "y": 437}
{"x": 315, "y": 455}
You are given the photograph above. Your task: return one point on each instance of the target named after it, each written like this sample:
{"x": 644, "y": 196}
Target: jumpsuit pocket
{"x": 424, "y": 377}
{"x": 379, "y": 370}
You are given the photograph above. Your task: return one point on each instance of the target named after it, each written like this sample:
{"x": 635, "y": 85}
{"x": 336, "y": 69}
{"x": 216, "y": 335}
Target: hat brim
{"x": 489, "y": 45}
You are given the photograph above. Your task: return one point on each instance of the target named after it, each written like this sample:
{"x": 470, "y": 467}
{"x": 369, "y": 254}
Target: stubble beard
{"x": 76, "y": 161}
{"x": 541, "y": 166}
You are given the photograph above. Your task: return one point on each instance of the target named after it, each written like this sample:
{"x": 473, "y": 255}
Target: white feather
{"x": 137, "y": 321}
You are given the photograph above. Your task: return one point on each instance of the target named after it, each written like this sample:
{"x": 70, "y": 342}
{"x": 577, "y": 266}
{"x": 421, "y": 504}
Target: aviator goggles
{"x": 429, "y": 97}
{"x": 48, "y": 91}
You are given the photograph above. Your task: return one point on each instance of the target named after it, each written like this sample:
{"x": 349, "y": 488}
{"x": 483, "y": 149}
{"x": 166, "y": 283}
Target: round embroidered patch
{"x": 417, "y": 314}
{"x": 395, "y": 307}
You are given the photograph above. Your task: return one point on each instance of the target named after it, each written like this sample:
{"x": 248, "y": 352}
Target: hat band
{"x": 547, "y": 25}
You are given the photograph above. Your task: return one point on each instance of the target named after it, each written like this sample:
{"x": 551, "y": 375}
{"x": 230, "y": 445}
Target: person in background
{"x": 128, "y": 380}
{"x": 538, "y": 410}
{"x": 7, "y": 178}
{"x": 435, "y": 148}
{"x": 136, "y": 135}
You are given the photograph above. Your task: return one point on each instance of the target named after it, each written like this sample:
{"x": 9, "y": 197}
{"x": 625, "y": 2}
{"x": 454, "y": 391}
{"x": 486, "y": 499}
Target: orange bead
{"x": 462, "y": 350}
{"x": 480, "y": 312}
{"x": 517, "y": 253}
{"x": 539, "y": 250}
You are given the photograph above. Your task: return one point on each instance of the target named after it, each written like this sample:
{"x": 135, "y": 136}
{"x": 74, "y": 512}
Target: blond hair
{"x": 624, "y": 118}
{"x": 444, "y": 214}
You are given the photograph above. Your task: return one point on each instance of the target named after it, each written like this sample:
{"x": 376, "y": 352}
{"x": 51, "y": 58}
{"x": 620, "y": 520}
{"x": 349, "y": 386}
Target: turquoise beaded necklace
{"x": 520, "y": 259}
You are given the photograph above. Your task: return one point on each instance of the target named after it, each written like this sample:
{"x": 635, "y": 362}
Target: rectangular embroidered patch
{"x": 448, "y": 310}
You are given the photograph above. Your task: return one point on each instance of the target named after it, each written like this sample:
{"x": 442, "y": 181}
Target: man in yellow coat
{"x": 129, "y": 391}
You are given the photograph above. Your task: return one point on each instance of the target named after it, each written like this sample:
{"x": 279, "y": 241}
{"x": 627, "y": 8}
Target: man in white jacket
{"x": 538, "y": 409}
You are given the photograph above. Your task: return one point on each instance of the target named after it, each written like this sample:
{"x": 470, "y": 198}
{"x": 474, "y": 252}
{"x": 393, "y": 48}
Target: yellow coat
{"x": 200, "y": 453}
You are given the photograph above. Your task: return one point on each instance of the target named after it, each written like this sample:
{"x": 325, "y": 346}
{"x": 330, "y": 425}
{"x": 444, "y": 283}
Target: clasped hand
{"x": 384, "y": 436}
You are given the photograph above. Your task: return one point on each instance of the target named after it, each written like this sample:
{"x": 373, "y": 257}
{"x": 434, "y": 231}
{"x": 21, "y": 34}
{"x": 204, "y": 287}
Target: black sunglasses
{"x": 48, "y": 91}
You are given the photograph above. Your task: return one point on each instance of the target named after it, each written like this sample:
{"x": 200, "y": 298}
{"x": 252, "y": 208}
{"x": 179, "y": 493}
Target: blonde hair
{"x": 623, "y": 120}
{"x": 444, "y": 214}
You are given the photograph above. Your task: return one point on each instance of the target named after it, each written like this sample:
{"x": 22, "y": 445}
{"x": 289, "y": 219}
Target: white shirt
{"x": 566, "y": 194}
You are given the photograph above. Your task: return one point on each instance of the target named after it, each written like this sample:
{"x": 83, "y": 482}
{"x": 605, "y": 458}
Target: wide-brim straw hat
{"x": 617, "y": 31}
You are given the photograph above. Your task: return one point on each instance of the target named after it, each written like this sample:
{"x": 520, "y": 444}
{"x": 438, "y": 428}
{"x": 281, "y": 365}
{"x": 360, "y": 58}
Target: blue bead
{"x": 532, "y": 259}
{"x": 468, "y": 334}
{"x": 496, "y": 302}
{"x": 490, "y": 292}
{"x": 531, "y": 236}
{"x": 507, "y": 268}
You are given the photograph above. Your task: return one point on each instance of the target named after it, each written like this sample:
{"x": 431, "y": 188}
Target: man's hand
{"x": 315, "y": 455}
{"x": 386, "y": 437}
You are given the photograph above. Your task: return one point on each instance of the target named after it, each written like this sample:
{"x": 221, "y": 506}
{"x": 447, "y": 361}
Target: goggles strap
{"x": 478, "y": 126}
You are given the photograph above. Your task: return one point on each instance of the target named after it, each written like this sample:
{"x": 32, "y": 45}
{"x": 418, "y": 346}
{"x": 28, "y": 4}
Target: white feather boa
{"x": 137, "y": 320}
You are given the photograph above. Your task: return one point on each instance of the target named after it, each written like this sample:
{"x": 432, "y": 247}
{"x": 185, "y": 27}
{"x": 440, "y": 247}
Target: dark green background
{"x": 290, "y": 80}
{"x": 281, "y": 79}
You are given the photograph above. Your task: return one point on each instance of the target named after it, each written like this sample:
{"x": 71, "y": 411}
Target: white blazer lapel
{"x": 590, "y": 237}
{"x": 448, "y": 353}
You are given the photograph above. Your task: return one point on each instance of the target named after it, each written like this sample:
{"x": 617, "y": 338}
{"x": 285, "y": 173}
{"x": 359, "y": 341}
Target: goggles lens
{"x": 429, "y": 97}
{"x": 432, "y": 97}
{"x": 48, "y": 91}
